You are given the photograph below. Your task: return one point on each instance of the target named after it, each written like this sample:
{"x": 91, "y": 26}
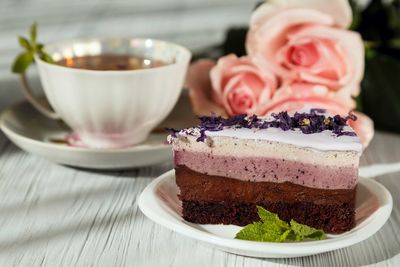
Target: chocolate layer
{"x": 331, "y": 218}
{"x": 215, "y": 199}
{"x": 198, "y": 186}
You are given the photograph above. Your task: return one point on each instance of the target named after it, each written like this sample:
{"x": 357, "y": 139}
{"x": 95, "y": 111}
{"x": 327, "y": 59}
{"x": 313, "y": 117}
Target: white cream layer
{"x": 323, "y": 141}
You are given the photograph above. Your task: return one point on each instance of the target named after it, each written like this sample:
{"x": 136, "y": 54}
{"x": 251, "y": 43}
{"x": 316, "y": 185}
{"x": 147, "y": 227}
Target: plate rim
{"x": 34, "y": 142}
{"x": 379, "y": 217}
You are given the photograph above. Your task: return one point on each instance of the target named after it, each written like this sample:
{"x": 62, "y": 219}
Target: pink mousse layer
{"x": 262, "y": 169}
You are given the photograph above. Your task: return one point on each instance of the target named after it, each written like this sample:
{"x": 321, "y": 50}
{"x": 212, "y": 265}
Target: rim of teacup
{"x": 185, "y": 60}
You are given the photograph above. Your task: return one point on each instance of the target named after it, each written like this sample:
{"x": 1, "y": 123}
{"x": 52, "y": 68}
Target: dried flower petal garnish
{"x": 312, "y": 122}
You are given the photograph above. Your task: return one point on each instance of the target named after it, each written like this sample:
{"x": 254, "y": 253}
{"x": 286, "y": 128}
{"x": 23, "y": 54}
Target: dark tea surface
{"x": 110, "y": 62}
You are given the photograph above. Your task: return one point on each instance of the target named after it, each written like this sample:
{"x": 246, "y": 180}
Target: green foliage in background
{"x": 379, "y": 25}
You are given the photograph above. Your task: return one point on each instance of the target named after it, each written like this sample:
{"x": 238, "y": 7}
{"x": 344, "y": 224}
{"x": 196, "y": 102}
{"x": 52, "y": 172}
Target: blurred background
{"x": 192, "y": 23}
{"x": 209, "y": 28}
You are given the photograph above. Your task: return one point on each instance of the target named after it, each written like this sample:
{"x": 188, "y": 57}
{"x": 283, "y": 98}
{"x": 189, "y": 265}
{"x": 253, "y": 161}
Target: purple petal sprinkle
{"x": 173, "y": 132}
{"x": 308, "y": 123}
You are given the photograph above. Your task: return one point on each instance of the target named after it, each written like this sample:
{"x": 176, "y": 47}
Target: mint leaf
{"x": 24, "y": 43}
{"x": 306, "y": 232}
{"x": 33, "y": 32}
{"x": 267, "y": 216}
{"x": 273, "y": 229}
{"x": 270, "y": 229}
{"x": 254, "y": 231}
{"x": 22, "y": 62}
{"x": 46, "y": 57}
{"x": 32, "y": 48}
{"x": 285, "y": 236}
{"x": 263, "y": 232}
{"x": 39, "y": 46}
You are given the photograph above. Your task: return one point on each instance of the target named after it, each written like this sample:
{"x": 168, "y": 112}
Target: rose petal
{"x": 231, "y": 85}
{"x": 221, "y": 73}
{"x": 314, "y": 57}
{"x": 352, "y": 46}
{"x": 236, "y": 95}
{"x": 263, "y": 41}
{"x": 341, "y": 54}
{"x": 339, "y": 10}
{"x": 364, "y": 127}
{"x": 233, "y": 76}
{"x": 292, "y": 96}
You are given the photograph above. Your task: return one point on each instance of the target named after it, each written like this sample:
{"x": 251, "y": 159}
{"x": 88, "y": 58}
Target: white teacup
{"x": 110, "y": 109}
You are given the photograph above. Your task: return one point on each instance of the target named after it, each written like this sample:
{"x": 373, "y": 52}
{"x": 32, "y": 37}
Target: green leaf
{"x": 22, "y": 62}
{"x": 285, "y": 235}
{"x": 39, "y": 46}
{"x": 33, "y": 32}
{"x": 263, "y": 232}
{"x": 254, "y": 231}
{"x": 267, "y": 216}
{"x": 43, "y": 55}
{"x": 31, "y": 48}
{"x": 273, "y": 229}
{"x": 24, "y": 43}
{"x": 46, "y": 57}
{"x": 306, "y": 232}
{"x": 395, "y": 43}
{"x": 291, "y": 236}
{"x": 270, "y": 229}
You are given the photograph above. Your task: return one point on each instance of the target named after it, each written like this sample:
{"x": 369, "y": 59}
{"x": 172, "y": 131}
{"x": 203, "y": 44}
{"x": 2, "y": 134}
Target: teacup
{"x": 117, "y": 108}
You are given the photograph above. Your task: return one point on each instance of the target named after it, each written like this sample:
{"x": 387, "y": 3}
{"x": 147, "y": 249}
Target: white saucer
{"x": 160, "y": 203}
{"x": 38, "y": 135}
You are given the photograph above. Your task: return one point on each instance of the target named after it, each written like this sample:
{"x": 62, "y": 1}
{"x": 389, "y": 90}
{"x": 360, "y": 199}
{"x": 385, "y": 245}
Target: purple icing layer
{"x": 261, "y": 169}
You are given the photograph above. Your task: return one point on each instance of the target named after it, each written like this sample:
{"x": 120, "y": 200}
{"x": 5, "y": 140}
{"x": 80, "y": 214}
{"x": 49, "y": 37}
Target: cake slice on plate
{"x": 302, "y": 166}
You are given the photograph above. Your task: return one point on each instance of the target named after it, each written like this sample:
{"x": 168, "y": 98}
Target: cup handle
{"x": 27, "y": 91}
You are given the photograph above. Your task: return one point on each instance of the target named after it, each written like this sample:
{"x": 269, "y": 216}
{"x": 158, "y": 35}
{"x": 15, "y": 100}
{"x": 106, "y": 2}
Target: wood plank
{"x": 55, "y": 215}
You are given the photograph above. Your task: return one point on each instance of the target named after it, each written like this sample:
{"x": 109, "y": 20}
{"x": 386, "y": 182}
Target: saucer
{"x": 36, "y": 134}
{"x": 159, "y": 202}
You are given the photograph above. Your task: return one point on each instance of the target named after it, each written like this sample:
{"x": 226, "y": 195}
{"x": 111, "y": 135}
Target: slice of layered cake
{"x": 302, "y": 166}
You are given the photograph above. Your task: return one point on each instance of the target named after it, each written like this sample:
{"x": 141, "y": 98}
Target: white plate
{"x": 160, "y": 203}
{"x": 36, "y": 134}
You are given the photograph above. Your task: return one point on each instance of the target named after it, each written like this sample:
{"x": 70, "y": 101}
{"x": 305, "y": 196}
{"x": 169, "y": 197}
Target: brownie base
{"x": 331, "y": 218}
{"x": 214, "y": 200}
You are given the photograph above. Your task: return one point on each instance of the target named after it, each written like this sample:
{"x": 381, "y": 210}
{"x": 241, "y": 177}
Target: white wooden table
{"x": 52, "y": 215}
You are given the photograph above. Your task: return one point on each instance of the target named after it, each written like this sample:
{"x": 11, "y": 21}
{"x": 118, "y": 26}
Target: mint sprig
{"x": 273, "y": 229}
{"x": 32, "y": 48}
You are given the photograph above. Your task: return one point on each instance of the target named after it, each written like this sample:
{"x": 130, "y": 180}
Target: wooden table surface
{"x": 52, "y": 215}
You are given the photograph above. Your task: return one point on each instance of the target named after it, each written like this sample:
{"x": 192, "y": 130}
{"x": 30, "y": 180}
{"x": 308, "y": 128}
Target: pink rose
{"x": 240, "y": 86}
{"x": 294, "y": 96}
{"x": 305, "y": 40}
